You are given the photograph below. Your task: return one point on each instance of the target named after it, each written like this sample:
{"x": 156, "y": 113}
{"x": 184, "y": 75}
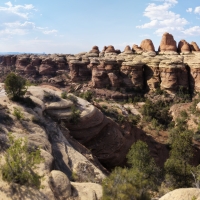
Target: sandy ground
{"x": 2, "y": 91}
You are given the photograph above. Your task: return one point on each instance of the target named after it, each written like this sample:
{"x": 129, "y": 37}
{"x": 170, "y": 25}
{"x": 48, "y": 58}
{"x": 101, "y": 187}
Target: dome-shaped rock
{"x": 167, "y": 43}
{"x": 183, "y": 46}
{"x": 128, "y": 50}
{"x": 95, "y": 49}
{"x": 194, "y": 46}
{"x": 110, "y": 49}
{"x": 147, "y": 45}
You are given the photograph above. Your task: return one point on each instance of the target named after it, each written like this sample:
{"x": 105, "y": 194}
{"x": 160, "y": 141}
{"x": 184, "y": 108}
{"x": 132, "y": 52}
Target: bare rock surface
{"x": 168, "y": 43}
{"x": 182, "y": 194}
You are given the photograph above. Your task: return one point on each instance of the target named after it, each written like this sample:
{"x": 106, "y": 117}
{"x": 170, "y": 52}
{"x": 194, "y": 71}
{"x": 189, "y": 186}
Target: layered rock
{"x": 168, "y": 44}
{"x": 173, "y": 74}
{"x": 132, "y": 73}
{"x": 95, "y": 49}
{"x": 22, "y": 62}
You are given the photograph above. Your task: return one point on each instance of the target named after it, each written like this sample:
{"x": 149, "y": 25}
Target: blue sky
{"x": 72, "y": 26}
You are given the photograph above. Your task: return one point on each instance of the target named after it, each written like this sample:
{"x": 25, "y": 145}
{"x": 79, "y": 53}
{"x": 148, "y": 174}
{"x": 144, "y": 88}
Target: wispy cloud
{"x": 189, "y": 10}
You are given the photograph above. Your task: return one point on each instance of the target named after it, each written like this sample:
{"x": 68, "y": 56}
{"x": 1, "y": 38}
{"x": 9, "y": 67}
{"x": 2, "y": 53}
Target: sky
{"x": 74, "y": 26}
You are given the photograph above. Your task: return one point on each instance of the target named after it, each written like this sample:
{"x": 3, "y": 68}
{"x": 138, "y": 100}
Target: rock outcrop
{"x": 194, "y": 46}
{"x": 147, "y": 45}
{"x": 168, "y": 44}
{"x": 184, "y": 47}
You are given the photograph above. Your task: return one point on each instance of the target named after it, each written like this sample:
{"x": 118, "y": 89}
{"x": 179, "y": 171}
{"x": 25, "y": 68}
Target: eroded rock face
{"x": 128, "y": 50}
{"x": 173, "y": 74}
{"x": 21, "y": 63}
{"x": 137, "y": 49}
{"x": 183, "y": 47}
{"x": 133, "y": 74}
{"x": 147, "y": 45}
{"x": 110, "y": 49}
{"x": 167, "y": 43}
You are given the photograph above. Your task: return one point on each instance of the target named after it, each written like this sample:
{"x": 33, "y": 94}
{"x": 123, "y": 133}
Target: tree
{"x": 125, "y": 184}
{"x": 140, "y": 159}
{"x": 20, "y": 163}
{"x": 177, "y": 167}
{"x": 15, "y": 86}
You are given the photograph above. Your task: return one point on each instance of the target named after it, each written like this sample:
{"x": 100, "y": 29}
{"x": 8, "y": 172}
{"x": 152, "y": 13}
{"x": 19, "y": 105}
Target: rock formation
{"x": 183, "y": 47}
{"x": 147, "y": 45}
{"x": 128, "y": 50}
{"x": 95, "y": 49}
{"x": 168, "y": 44}
{"x": 194, "y": 46}
{"x": 137, "y": 49}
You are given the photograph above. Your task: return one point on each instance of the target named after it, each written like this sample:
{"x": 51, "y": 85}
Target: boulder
{"x": 167, "y": 43}
{"x": 60, "y": 185}
{"x": 182, "y": 194}
{"x": 147, "y": 46}
{"x": 87, "y": 191}
{"x": 110, "y": 49}
{"x": 137, "y": 49}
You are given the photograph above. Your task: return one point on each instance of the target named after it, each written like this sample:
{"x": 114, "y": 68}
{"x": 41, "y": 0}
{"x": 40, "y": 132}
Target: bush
{"x": 15, "y": 86}
{"x": 64, "y": 95}
{"x": 75, "y": 116}
{"x": 20, "y": 163}
{"x": 18, "y": 113}
{"x": 86, "y": 95}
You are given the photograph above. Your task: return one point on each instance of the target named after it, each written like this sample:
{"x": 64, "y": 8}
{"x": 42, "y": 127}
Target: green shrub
{"x": 20, "y": 163}
{"x": 15, "y": 86}
{"x": 64, "y": 95}
{"x": 87, "y": 95}
{"x": 75, "y": 116}
{"x": 18, "y": 113}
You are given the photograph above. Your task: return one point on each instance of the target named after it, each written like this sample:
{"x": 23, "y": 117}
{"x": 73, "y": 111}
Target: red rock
{"x": 183, "y": 46}
{"x": 95, "y": 49}
{"x": 128, "y": 50}
{"x": 147, "y": 45}
{"x": 136, "y": 49}
{"x": 167, "y": 43}
{"x": 104, "y": 49}
{"x": 110, "y": 49}
{"x": 194, "y": 46}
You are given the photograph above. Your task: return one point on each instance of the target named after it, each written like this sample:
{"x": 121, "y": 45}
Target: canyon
{"x": 137, "y": 68}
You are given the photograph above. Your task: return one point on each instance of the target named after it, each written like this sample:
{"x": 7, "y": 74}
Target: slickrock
{"x": 168, "y": 44}
{"x": 182, "y": 194}
{"x": 147, "y": 45}
{"x": 184, "y": 47}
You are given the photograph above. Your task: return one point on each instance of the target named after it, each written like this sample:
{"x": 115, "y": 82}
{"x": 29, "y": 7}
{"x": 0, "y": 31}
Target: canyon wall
{"x": 139, "y": 68}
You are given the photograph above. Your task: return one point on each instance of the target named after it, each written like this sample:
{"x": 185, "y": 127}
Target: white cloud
{"x": 47, "y": 32}
{"x": 16, "y": 10}
{"x": 189, "y": 10}
{"x": 192, "y": 31}
{"x": 15, "y": 20}
{"x": 162, "y": 18}
{"x": 197, "y": 10}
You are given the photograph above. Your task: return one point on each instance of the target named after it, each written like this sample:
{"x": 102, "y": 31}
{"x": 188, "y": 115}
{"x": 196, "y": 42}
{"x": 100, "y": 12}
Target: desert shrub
{"x": 159, "y": 111}
{"x": 18, "y": 113}
{"x": 125, "y": 184}
{"x": 72, "y": 98}
{"x": 182, "y": 95}
{"x": 75, "y": 115}
{"x": 134, "y": 119}
{"x": 87, "y": 95}
{"x": 15, "y": 86}
{"x": 64, "y": 95}
{"x": 20, "y": 163}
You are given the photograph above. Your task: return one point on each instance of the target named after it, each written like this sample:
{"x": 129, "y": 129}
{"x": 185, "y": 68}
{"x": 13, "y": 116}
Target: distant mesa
{"x": 167, "y": 43}
{"x": 147, "y": 45}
